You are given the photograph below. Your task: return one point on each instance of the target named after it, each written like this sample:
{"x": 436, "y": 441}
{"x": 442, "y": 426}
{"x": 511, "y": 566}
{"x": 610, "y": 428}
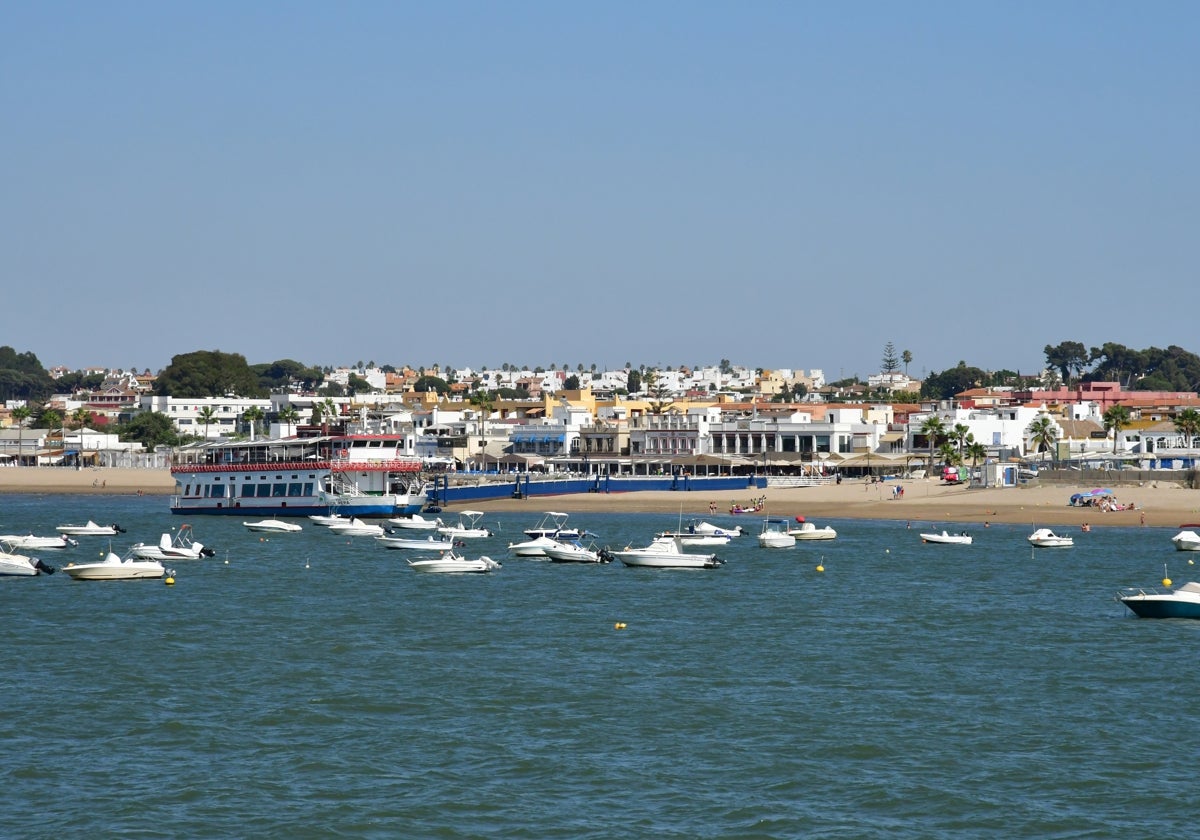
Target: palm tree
{"x": 977, "y": 452}
{"x": 932, "y": 427}
{"x": 948, "y": 454}
{"x": 1187, "y": 423}
{"x": 1043, "y": 434}
{"x": 253, "y": 415}
{"x": 1115, "y": 419}
{"x": 290, "y": 417}
{"x": 207, "y": 415}
{"x": 21, "y": 413}
{"x": 330, "y": 412}
{"x": 961, "y": 434}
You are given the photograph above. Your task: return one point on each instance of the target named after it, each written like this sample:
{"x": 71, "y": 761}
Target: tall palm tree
{"x": 206, "y": 416}
{"x": 1187, "y": 423}
{"x": 933, "y": 427}
{"x": 961, "y": 434}
{"x": 1043, "y": 434}
{"x": 289, "y": 416}
{"x": 977, "y": 452}
{"x": 948, "y": 454}
{"x": 253, "y": 415}
{"x": 1115, "y": 419}
{"x": 21, "y": 413}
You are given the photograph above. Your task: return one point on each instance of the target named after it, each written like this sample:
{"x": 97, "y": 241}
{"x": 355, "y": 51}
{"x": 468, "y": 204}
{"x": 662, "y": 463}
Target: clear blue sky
{"x": 787, "y": 184}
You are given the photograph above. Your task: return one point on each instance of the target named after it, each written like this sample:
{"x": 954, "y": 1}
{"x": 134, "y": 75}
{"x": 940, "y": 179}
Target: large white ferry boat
{"x": 351, "y": 475}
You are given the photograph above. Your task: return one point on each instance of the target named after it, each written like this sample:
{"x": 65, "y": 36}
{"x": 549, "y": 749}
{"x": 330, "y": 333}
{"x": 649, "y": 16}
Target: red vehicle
{"x": 955, "y": 475}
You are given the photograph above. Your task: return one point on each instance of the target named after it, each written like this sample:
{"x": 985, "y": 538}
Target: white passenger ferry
{"x": 352, "y": 475}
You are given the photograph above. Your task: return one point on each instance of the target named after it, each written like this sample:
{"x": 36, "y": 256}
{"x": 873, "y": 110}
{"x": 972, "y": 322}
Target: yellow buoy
{"x": 820, "y": 568}
{"x": 620, "y": 625}
{"x": 169, "y": 581}
{"x": 1166, "y": 581}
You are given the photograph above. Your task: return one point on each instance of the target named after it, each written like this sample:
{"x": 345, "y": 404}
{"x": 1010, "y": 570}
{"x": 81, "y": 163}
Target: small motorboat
{"x": 29, "y": 542}
{"x": 775, "y": 534}
{"x": 1183, "y": 602}
{"x": 574, "y": 551}
{"x": 1183, "y": 541}
{"x": 430, "y": 543}
{"x": 181, "y": 547}
{"x": 91, "y": 529}
{"x": 274, "y": 526}
{"x": 666, "y": 553}
{"x": 415, "y": 522}
{"x": 804, "y": 530}
{"x": 113, "y": 567}
{"x": 467, "y": 527}
{"x": 20, "y": 565}
{"x": 535, "y": 547}
{"x": 356, "y": 527}
{"x": 327, "y": 519}
{"x": 944, "y": 538}
{"x": 553, "y": 525}
{"x": 452, "y": 563}
{"x": 703, "y": 533}
{"x": 1045, "y": 538}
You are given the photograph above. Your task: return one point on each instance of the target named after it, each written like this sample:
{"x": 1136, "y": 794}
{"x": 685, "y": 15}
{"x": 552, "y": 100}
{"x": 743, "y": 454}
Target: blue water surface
{"x": 313, "y": 686}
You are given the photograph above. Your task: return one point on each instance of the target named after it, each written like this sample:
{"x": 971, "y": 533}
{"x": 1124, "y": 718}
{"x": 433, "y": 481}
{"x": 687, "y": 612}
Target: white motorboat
{"x": 702, "y": 527}
{"x": 775, "y": 534}
{"x": 553, "y": 525}
{"x": 703, "y": 533}
{"x": 665, "y": 553}
{"x": 273, "y": 526}
{"x": 29, "y": 542}
{"x": 325, "y": 520}
{"x": 574, "y": 551}
{"x": 91, "y": 529}
{"x": 113, "y": 567}
{"x": 415, "y": 522}
{"x": 1183, "y": 602}
{"x": 535, "y": 547}
{"x": 452, "y": 563}
{"x": 1183, "y": 541}
{"x": 429, "y": 543}
{"x": 356, "y": 527}
{"x": 20, "y": 565}
{"x": 467, "y": 527}
{"x": 804, "y": 530}
{"x": 962, "y": 538}
{"x": 181, "y": 547}
{"x": 1045, "y": 538}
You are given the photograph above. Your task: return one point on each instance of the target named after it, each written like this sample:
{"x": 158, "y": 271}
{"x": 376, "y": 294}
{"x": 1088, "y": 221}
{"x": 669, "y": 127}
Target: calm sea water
{"x": 310, "y": 686}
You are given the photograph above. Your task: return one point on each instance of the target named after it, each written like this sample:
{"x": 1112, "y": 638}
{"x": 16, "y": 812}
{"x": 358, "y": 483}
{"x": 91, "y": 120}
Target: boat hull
{"x": 1161, "y": 606}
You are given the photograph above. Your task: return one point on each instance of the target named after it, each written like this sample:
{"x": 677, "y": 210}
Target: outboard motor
{"x": 44, "y": 567}
{"x": 207, "y": 552}
{"x": 118, "y": 528}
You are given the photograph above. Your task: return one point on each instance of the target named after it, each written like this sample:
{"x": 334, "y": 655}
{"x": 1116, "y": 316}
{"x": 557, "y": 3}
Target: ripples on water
{"x": 311, "y": 686}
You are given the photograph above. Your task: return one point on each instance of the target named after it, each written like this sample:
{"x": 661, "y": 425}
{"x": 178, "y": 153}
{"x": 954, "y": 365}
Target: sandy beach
{"x": 1158, "y": 504}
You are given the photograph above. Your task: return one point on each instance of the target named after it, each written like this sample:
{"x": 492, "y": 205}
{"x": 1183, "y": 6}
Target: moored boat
{"x": 114, "y": 567}
{"x": 1186, "y": 541}
{"x": 452, "y": 563}
{"x": 665, "y": 553}
{"x": 29, "y": 542}
{"x": 1045, "y": 538}
{"x": 273, "y": 526}
{"x": 91, "y": 529}
{"x": 1183, "y": 602}
{"x": 774, "y": 534}
{"x": 21, "y": 565}
{"x": 805, "y": 530}
{"x": 180, "y": 547}
{"x": 429, "y": 543}
{"x": 363, "y": 475}
{"x": 944, "y": 538}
